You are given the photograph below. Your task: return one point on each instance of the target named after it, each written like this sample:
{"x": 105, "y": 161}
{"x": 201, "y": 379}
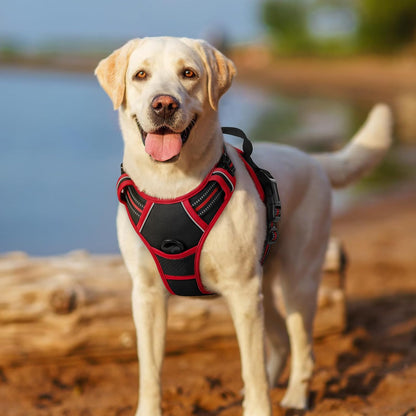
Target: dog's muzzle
{"x": 164, "y": 144}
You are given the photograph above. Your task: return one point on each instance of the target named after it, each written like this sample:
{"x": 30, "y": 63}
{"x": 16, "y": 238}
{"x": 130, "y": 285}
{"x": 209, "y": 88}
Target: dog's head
{"x": 167, "y": 86}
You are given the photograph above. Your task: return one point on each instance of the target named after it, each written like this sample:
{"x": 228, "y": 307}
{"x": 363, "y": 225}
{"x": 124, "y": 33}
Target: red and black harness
{"x": 174, "y": 230}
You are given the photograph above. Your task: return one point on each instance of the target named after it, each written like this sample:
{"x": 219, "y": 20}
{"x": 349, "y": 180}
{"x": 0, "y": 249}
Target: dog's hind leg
{"x": 245, "y": 303}
{"x": 276, "y": 334}
{"x": 300, "y": 275}
{"x": 300, "y": 313}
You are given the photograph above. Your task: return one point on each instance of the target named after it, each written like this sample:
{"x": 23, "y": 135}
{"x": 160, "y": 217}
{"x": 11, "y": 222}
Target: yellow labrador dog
{"x": 167, "y": 88}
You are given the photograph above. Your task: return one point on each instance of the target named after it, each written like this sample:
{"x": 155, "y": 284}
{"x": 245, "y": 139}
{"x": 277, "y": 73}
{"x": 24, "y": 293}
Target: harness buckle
{"x": 273, "y": 204}
{"x": 273, "y": 234}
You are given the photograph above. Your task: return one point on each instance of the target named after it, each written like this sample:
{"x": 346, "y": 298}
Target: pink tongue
{"x": 163, "y": 147}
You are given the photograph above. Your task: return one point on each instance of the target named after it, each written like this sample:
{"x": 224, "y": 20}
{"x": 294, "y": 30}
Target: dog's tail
{"x": 365, "y": 151}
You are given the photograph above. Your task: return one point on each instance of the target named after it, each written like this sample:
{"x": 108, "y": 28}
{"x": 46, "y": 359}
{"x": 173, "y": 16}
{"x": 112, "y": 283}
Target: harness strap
{"x": 268, "y": 185}
{"x": 247, "y": 145}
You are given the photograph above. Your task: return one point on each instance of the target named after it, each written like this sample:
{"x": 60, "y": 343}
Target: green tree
{"x": 286, "y": 21}
{"x": 386, "y": 26}
{"x": 380, "y": 26}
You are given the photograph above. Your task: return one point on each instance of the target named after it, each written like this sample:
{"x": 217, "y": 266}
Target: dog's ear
{"x": 220, "y": 71}
{"x": 111, "y": 72}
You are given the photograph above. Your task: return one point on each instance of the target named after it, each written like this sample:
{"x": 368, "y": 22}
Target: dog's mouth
{"x": 164, "y": 144}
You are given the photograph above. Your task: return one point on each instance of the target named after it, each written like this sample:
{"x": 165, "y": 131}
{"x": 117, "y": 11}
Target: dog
{"x": 166, "y": 88}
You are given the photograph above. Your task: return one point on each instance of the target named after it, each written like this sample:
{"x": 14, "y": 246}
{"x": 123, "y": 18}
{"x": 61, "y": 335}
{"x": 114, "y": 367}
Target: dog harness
{"x": 174, "y": 230}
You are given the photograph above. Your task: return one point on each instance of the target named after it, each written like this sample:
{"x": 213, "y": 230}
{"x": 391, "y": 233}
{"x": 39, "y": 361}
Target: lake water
{"x": 60, "y": 152}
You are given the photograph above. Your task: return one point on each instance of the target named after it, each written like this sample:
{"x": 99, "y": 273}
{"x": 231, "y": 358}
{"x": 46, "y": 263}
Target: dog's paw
{"x": 148, "y": 412}
{"x": 259, "y": 409}
{"x": 295, "y": 399}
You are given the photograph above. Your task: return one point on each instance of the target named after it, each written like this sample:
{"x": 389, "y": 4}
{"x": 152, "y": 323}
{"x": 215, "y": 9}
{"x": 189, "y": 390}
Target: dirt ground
{"x": 368, "y": 370}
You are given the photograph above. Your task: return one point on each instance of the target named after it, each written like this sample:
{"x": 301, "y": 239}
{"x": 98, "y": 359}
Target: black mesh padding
{"x": 138, "y": 200}
{"x": 212, "y": 207}
{"x": 185, "y": 287}
{"x": 170, "y": 222}
{"x": 134, "y": 214}
{"x": 180, "y": 267}
{"x": 200, "y": 197}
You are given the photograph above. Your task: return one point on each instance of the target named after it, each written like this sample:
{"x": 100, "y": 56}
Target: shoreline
{"x": 398, "y": 193}
{"x": 359, "y": 77}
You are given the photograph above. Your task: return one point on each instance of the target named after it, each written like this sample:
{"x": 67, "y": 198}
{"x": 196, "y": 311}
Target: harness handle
{"x": 234, "y": 131}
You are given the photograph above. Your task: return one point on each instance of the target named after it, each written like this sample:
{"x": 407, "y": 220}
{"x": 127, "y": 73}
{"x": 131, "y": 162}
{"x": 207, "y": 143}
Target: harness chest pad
{"x": 174, "y": 230}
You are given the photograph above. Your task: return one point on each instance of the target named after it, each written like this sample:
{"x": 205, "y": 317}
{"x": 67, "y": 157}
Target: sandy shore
{"x": 368, "y": 370}
{"x": 367, "y": 77}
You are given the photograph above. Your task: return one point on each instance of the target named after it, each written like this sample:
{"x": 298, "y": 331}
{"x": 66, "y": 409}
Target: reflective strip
{"x": 147, "y": 216}
{"x": 190, "y": 216}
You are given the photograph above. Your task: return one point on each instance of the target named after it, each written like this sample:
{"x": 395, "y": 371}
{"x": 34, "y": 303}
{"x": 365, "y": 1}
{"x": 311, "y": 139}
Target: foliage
{"x": 380, "y": 26}
{"x": 386, "y": 26}
{"x": 286, "y": 21}
{"x": 8, "y": 48}
{"x": 289, "y": 26}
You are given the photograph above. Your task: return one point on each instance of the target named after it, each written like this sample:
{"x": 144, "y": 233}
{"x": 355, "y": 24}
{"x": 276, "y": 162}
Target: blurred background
{"x": 309, "y": 71}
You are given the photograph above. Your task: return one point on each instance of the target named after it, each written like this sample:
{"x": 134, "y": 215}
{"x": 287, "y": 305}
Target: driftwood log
{"x": 78, "y": 305}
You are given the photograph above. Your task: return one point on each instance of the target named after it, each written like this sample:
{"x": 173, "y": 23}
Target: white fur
{"x": 230, "y": 257}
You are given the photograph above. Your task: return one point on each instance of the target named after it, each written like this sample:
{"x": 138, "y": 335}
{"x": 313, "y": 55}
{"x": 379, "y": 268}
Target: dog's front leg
{"x": 245, "y": 303}
{"x": 149, "y": 313}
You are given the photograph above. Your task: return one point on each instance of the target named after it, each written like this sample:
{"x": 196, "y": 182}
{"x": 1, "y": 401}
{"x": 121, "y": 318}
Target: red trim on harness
{"x": 266, "y": 252}
{"x": 253, "y": 176}
{"x": 224, "y": 187}
{"x": 151, "y": 250}
{"x": 119, "y": 192}
{"x": 123, "y": 176}
{"x": 125, "y": 183}
{"x": 198, "y": 208}
{"x": 179, "y": 256}
{"x": 227, "y": 197}
{"x": 181, "y": 278}
{"x": 155, "y": 259}
{"x": 195, "y": 217}
{"x": 133, "y": 203}
{"x": 144, "y": 216}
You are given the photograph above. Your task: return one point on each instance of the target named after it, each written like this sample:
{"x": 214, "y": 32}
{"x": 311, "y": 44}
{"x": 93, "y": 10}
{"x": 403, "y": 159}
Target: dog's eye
{"x": 188, "y": 73}
{"x": 140, "y": 75}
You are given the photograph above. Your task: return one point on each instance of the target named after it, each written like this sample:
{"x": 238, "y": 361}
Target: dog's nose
{"x": 165, "y": 105}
